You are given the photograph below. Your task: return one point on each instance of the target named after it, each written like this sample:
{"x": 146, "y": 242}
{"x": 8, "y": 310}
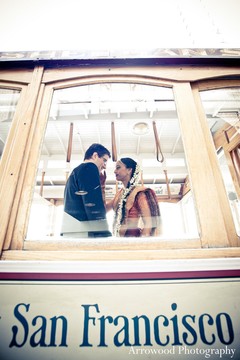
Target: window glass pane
{"x": 222, "y": 108}
{"x": 137, "y": 115}
{"x": 8, "y": 103}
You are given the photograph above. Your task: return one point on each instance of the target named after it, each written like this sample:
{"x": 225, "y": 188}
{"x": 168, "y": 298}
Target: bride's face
{"x": 122, "y": 173}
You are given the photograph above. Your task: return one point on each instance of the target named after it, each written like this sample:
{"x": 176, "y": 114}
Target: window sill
{"x": 117, "y": 255}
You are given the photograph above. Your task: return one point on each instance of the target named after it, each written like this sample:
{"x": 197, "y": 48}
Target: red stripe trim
{"x": 121, "y": 276}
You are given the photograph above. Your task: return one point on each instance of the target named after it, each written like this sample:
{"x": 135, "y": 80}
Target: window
{"x": 8, "y": 102}
{"x": 222, "y": 108}
{"x": 82, "y": 115}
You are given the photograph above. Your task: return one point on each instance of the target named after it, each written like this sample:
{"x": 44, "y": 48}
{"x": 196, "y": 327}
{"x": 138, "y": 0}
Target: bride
{"x": 136, "y": 207}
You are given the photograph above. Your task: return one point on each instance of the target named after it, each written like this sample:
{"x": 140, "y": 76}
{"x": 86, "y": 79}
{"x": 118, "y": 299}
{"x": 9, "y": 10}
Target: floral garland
{"x": 133, "y": 182}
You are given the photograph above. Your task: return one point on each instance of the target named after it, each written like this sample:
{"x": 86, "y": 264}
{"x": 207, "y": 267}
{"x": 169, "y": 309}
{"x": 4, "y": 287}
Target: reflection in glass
{"x": 8, "y": 103}
{"x": 222, "y": 108}
{"x": 83, "y": 115}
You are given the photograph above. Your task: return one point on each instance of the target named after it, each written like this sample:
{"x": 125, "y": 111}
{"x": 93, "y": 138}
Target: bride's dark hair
{"x": 130, "y": 164}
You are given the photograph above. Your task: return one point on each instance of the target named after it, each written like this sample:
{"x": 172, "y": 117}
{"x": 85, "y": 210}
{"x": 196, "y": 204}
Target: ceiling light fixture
{"x": 141, "y": 128}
